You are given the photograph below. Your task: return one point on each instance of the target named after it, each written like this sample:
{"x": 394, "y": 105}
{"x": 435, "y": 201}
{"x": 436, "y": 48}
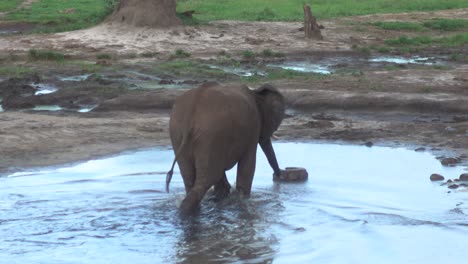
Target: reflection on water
{"x": 47, "y": 108}
{"x": 239, "y": 71}
{"x": 75, "y": 78}
{"x": 304, "y": 66}
{"x": 403, "y": 60}
{"x": 42, "y": 88}
{"x": 360, "y": 205}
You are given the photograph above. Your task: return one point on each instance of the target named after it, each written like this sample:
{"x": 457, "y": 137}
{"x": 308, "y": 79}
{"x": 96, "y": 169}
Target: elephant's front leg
{"x": 246, "y": 170}
{"x": 222, "y": 188}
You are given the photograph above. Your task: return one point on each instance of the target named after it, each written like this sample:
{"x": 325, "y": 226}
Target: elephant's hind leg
{"x": 203, "y": 181}
{"x": 222, "y": 188}
{"x": 187, "y": 170}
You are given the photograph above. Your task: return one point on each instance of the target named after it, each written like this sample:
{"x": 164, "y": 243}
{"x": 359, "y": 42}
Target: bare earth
{"x": 412, "y": 107}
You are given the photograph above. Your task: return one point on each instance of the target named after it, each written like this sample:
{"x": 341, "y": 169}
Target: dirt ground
{"x": 416, "y": 107}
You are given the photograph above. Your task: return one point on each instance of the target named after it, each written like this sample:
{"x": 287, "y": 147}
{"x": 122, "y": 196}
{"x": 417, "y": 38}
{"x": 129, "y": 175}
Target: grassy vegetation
{"x": 446, "y": 24}
{"x": 103, "y": 56}
{"x": 49, "y": 55}
{"x": 14, "y": 71}
{"x": 291, "y": 10}
{"x": 7, "y": 5}
{"x": 248, "y": 54}
{"x": 180, "y": 53}
{"x": 408, "y": 41}
{"x": 64, "y": 15}
{"x": 450, "y": 41}
{"x": 399, "y": 25}
{"x": 190, "y": 68}
{"x": 441, "y": 24}
{"x": 86, "y": 67}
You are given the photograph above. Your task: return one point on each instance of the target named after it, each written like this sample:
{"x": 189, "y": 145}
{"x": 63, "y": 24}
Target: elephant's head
{"x": 271, "y": 106}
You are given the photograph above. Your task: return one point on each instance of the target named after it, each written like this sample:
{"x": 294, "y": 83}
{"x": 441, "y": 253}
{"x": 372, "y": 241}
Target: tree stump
{"x": 146, "y": 13}
{"x": 311, "y": 28}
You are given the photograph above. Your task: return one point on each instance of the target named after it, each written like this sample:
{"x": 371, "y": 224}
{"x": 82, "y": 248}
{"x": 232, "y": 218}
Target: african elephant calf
{"x": 215, "y": 127}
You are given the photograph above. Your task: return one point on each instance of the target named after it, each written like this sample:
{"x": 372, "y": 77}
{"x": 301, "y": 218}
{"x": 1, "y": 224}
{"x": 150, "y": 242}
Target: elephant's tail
{"x": 177, "y": 153}
{"x": 169, "y": 174}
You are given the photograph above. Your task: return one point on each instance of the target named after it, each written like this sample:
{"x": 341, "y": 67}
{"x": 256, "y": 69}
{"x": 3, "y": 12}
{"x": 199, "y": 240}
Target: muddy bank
{"x": 115, "y": 88}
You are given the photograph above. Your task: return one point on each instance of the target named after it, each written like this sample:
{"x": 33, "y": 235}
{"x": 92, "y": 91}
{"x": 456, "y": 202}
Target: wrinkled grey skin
{"x": 215, "y": 127}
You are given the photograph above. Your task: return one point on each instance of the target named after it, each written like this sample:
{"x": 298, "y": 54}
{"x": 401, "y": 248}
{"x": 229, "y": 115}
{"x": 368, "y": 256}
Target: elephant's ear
{"x": 271, "y": 106}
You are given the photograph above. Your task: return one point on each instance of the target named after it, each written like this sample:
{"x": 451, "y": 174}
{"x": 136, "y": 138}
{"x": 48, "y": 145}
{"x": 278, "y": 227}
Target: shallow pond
{"x": 360, "y": 205}
{"x": 54, "y": 108}
{"x": 329, "y": 65}
{"x": 42, "y": 88}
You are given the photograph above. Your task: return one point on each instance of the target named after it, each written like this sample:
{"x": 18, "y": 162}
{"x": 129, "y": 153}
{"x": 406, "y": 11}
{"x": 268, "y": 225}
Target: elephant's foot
{"x": 243, "y": 192}
{"x": 189, "y": 206}
{"x": 221, "y": 193}
{"x": 222, "y": 189}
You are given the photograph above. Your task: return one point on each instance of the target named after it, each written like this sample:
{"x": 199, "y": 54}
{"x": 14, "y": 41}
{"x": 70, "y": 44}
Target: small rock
{"x": 420, "y": 149}
{"x": 292, "y": 174}
{"x": 449, "y": 161}
{"x": 463, "y": 177}
{"x": 165, "y": 81}
{"x": 436, "y": 177}
{"x": 450, "y": 129}
{"x": 460, "y": 118}
{"x": 319, "y": 124}
{"x": 453, "y": 186}
{"x": 449, "y": 181}
{"x": 368, "y": 144}
{"x": 103, "y": 62}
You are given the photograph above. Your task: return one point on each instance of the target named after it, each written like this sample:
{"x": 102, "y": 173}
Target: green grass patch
{"x": 248, "y": 54}
{"x": 392, "y": 67}
{"x": 291, "y": 10}
{"x": 453, "y": 41}
{"x": 86, "y": 67}
{"x": 149, "y": 54}
{"x": 64, "y": 15}
{"x": 450, "y": 41}
{"x": 7, "y": 5}
{"x": 399, "y": 25}
{"x": 104, "y": 56}
{"x": 407, "y": 41}
{"x": 49, "y": 55}
{"x": 446, "y": 24}
{"x": 180, "y": 54}
{"x": 189, "y": 21}
{"x": 14, "y": 71}
{"x": 268, "y": 53}
{"x": 189, "y": 68}
{"x": 441, "y": 24}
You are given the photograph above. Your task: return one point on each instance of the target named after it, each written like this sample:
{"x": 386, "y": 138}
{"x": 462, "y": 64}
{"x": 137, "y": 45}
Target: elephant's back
{"x": 231, "y": 106}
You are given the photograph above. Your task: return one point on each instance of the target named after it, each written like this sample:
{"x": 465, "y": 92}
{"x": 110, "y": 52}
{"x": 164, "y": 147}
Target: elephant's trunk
{"x": 267, "y": 148}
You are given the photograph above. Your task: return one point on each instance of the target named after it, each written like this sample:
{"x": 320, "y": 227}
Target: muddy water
{"x": 330, "y": 65}
{"x": 360, "y": 205}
